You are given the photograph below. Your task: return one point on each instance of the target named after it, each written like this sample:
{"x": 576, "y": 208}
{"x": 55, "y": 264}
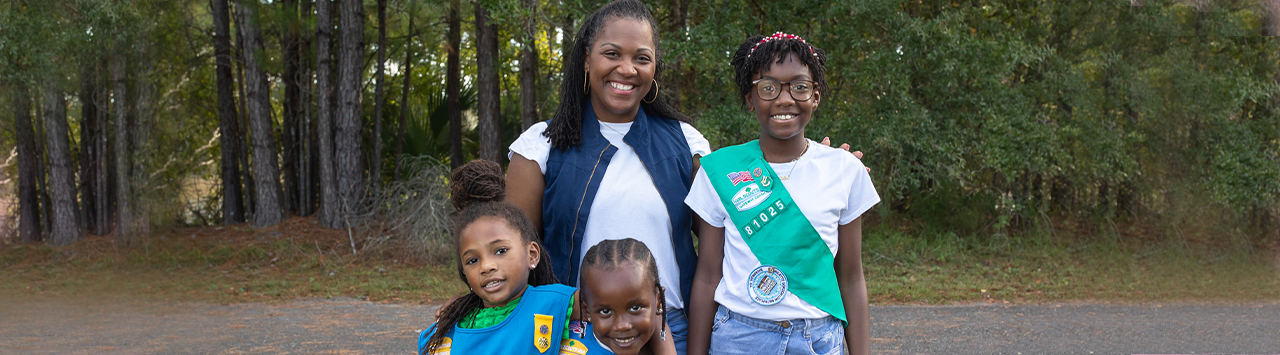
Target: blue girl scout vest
{"x": 573, "y": 177}
{"x": 534, "y": 327}
{"x": 582, "y": 341}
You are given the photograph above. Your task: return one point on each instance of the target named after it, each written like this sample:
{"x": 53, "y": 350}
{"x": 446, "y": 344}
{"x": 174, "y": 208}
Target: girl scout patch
{"x": 578, "y": 329}
{"x": 767, "y": 285}
{"x": 573, "y": 347}
{"x": 749, "y": 197}
{"x": 542, "y": 332}
{"x": 445, "y": 347}
{"x": 738, "y": 177}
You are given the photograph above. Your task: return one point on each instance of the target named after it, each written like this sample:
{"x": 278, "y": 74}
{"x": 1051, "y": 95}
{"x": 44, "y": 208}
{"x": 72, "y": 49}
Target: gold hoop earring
{"x": 586, "y": 78}
{"x": 655, "y": 92}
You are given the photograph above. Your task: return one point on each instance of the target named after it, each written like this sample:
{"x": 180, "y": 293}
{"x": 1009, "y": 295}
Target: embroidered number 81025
{"x": 764, "y": 217}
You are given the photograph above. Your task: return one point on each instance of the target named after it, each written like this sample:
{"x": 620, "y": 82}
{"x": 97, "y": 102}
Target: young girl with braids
{"x": 515, "y": 306}
{"x": 780, "y": 238}
{"x": 623, "y": 300}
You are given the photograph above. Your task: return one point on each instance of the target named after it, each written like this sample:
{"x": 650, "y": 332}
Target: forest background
{"x": 1139, "y": 127}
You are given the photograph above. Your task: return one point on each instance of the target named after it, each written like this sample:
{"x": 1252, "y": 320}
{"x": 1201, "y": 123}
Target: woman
{"x": 615, "y": 161}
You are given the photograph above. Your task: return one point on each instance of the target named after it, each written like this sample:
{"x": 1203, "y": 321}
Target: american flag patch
{"x": 577, "y": 328}
{"x": 739, "y": 177}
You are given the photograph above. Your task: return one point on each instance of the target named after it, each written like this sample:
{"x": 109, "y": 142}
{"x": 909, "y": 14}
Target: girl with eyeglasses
{"x": 780, "y": 268}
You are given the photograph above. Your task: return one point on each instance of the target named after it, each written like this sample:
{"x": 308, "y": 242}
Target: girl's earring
{"x": 585, "y": 79}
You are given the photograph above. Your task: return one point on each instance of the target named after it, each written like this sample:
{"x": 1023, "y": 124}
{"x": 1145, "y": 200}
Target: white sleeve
{"x": 704, "y": 201}
{"x": 533, "y": 145}
{"x": 862, "y": 194}
{"x": 698, "y": 145}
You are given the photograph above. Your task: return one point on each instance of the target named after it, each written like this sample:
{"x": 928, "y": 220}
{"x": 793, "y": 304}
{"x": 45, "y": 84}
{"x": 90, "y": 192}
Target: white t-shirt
{"x": 627, "y": 205}
{"x": 830, "y": 186}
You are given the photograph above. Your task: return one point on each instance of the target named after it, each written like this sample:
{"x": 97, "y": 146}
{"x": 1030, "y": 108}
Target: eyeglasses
{"x": 769, "y": 89}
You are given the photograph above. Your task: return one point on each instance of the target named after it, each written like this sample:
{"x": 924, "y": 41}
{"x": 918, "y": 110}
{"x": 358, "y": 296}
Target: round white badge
{"x": 767, "y": 285}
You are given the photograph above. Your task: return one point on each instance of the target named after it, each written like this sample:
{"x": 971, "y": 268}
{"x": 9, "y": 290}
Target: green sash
{"x": 775, "y": 230}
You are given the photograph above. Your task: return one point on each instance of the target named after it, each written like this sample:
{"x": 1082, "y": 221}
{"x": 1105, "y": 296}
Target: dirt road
{"x": 30, "y": 325}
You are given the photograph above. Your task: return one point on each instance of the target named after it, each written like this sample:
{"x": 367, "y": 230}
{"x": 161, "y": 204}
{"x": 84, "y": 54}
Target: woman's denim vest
{"x": 573, "y": 176}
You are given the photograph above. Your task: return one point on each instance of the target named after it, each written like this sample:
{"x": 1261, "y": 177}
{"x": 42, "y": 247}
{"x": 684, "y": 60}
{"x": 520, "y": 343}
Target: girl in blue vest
{"x": 780, "y": 238}
{"x": 513, "y": 295}
{"x": 515, "y": 306}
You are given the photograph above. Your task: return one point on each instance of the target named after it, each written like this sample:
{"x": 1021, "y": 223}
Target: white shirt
{"x": 627, "y": 205}
{"x": 830, "y": 186}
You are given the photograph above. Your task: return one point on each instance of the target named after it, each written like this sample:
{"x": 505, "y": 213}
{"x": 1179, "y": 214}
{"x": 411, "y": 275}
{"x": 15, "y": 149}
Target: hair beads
{"x": 780, "y": 35}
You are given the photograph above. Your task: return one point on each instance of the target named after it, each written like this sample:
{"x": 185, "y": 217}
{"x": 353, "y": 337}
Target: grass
{"x": 224, "y": 265}
{"x": 935, "y": 267}
{"x": 904, "y": 266}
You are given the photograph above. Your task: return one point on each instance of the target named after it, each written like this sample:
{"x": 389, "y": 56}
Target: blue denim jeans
{"x": 679, "y": 329}
{"x": 733, "y": 334}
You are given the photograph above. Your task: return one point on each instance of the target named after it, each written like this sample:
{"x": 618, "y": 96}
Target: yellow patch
{"x": 542, "y": 331}
{"x": 572, "y": 347}
{"x": 444, "y": 348}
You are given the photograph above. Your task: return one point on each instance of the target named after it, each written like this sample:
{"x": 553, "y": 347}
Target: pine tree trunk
{"x": 89, "y": 153}
{"x": 64, "y": 226}
{"x": 487, "y": 95}
{"x": 119, "y": 99}
{"x": 232, "y": 210}
{"x": 348, "y": 142}
{"x": 404, "y": 98}
{"x": 292, "y": 105}
{"x": 375, "y": 167}
{"x": 42, "y": 176}
{"x": 140, "y": 137}
{"x": 529, "y": 68}
{"x": 266, "y": 172}
{"x": 105, "y": 200}
{"x": 330, "y": 205}
{"x": 453, "y": 84}
{"x": 242, "y": 121}
{"x": 306, "y": 141}
{"x": 28, "y": 194}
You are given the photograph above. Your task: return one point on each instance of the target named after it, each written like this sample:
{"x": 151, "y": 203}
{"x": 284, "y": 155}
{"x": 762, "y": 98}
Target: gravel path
{"x": 337, "y": 326}
{"x": 349, "y": 326}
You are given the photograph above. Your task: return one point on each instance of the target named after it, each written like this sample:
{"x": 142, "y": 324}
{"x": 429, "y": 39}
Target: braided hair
{"x": 757, "y": 54}
{"x": 478, "y": 190}
{"x": 613, "y": 254}
{"x": 565, "y": 127}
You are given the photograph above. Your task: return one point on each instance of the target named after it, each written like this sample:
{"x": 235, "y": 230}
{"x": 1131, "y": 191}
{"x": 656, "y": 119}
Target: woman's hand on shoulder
{"x": 857, "y": 153}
